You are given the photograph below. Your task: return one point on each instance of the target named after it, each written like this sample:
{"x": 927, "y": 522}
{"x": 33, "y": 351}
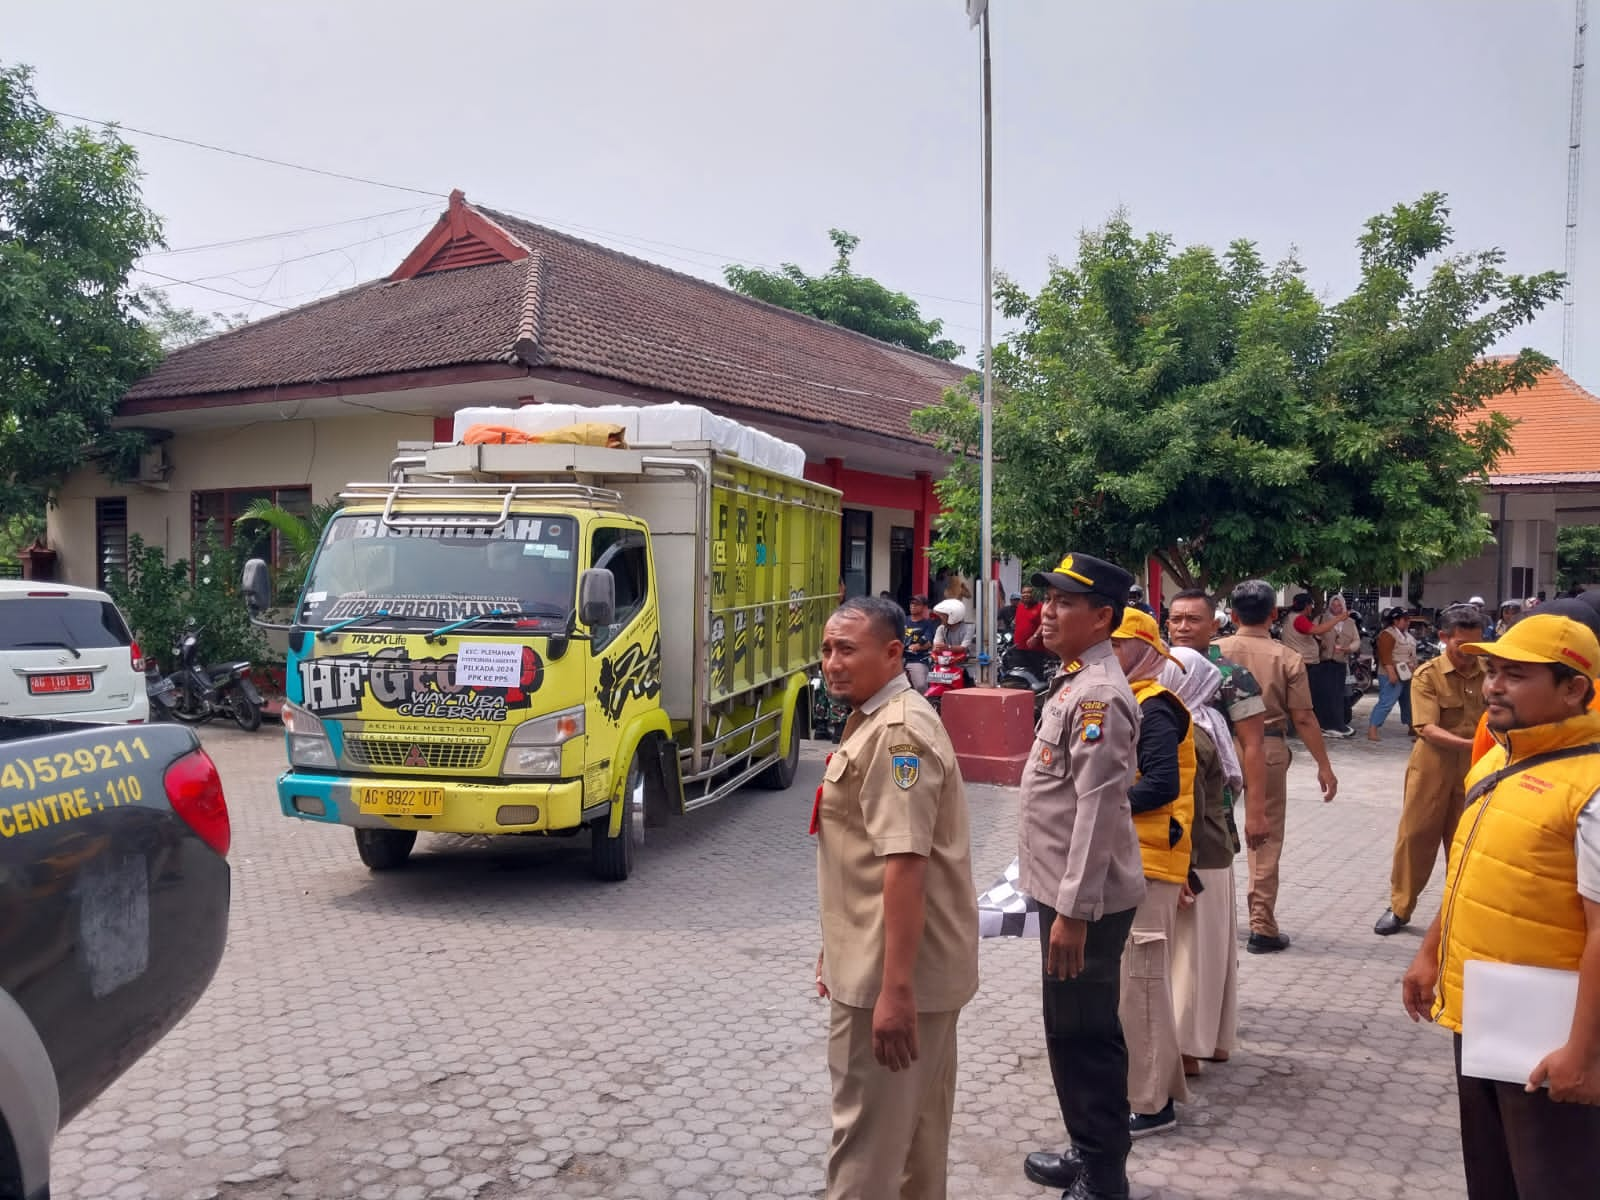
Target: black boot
{"x": 1049, "y": 1169}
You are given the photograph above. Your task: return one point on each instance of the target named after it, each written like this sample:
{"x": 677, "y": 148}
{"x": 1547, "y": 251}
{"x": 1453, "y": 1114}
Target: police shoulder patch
{"x": 906, "y": 762}
{"x": 1091, "y": 729}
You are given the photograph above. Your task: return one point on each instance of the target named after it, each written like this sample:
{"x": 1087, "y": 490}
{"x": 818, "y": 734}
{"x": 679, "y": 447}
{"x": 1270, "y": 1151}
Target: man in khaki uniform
{"x": 1446, "y": 702}
{"x": 1282, "y": 676}
{"x": 899, "y": 916}
{"x": 1079, "y": 859}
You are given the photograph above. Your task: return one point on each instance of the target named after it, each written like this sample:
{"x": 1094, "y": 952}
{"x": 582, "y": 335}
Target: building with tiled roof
{"x": 493, "y": 310}
{"x": 1548, "y": 479}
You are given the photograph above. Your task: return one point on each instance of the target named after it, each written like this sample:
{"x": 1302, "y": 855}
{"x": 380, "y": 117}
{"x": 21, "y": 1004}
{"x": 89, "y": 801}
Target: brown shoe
{"x": 1191, "y": 1065}
{"x": 1218, "y": 1056}
{"x": 1372, "y": 734}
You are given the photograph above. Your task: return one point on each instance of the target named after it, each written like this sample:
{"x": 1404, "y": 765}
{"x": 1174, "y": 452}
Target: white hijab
{"x": 1196, "y": 684}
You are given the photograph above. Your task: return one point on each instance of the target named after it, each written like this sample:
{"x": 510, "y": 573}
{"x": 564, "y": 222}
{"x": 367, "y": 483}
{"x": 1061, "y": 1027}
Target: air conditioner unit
{"x": 154, "y": 465}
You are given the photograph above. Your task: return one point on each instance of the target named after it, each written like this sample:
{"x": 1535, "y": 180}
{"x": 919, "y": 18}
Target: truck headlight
{"x": 534, "y": 750}
{"x": 308, "y": 740}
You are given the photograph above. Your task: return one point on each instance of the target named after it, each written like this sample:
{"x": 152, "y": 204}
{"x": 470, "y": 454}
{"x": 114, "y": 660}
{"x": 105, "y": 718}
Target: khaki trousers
{"x": 1435, "y": 794}
{"x": 1264, "y": 861}
{"x": 891, "y": 1129}
{"x": 1205, "y": 968}
{"x": 1149, "y": 1024}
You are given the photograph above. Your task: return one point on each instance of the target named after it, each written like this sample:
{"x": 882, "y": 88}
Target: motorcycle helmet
{"x": 1394, "y": 614}
{"x": 953, "y": 611}
{"x": 1135, "y": 594}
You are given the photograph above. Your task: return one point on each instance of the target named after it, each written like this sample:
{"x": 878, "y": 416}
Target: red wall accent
{"x": 1152, "y": 594}
{"x": 444, "y": 429}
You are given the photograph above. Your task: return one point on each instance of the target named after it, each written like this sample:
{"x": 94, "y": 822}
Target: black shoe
{"x": 1267, "y": 943}
{"x": 1084, "y": 1190}
{"x": 1053, "y": 1170}
{"x": 1389, "y": 923}
{"x": 1144, "y": 1124}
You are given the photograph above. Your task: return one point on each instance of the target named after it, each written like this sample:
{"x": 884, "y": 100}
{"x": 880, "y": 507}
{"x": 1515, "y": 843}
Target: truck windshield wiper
{"x": 73, "y": 650}
{"x": 495, "y": 613}
{"x": 327, "y": 633}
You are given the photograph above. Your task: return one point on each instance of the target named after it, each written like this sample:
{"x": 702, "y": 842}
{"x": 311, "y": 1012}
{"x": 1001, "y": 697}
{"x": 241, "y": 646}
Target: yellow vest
{"x": 1163, "y": 860}
{"x": 1511, "y": 888}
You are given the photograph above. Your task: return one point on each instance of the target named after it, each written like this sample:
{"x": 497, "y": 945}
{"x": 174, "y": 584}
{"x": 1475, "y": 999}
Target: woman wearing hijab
{"x": 1162, "y": 800}
{"x": 1205, "y": 959}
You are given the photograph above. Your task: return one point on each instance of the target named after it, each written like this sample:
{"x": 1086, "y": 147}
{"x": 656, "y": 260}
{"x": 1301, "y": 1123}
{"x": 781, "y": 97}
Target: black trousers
{"x": 1327, "y": 693}
{"x": 1518, "y": 1145}
{"x": 1088, "y": 1056}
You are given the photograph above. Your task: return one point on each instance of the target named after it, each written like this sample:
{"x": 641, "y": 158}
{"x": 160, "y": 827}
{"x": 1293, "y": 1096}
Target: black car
{"x": 114, "y": 888}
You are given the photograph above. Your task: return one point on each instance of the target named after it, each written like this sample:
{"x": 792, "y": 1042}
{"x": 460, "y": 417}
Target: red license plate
{"x": 51, "y": 685}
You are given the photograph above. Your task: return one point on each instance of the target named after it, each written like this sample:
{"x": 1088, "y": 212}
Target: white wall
{"x": 326, "y": 454}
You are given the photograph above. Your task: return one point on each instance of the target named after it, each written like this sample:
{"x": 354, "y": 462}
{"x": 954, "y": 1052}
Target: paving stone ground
{"x": 491, "y": 1023}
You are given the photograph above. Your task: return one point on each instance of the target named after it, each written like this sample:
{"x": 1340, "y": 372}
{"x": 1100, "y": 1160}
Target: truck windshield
{"x": 441, "y": 567}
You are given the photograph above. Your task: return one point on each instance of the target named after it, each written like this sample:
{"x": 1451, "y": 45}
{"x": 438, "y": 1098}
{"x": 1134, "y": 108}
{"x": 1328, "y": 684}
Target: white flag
{"x": 976, "y": 9}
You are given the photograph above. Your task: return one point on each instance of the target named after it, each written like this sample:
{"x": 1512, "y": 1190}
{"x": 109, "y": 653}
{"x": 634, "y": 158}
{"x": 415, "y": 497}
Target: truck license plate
{"x": 50, "y": 685}
{"x": 401, "y": 801}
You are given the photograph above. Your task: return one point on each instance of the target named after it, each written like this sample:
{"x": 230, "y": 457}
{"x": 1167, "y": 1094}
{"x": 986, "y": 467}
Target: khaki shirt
{"x": 1443, "y": 694}
{"x": 1278, "y": 669}
{"x": 1306, "y": 645}
{"x": 1078, "y": 851}
{"x": 893, "y": 787}
{"x": 1339, "y": 641}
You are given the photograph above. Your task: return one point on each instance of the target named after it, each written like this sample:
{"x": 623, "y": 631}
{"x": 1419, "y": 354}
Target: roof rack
{"x": 507, "y": 493}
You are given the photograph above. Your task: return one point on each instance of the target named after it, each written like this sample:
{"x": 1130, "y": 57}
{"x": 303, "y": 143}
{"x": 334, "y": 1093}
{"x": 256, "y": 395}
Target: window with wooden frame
{"x": 257, "y": 540}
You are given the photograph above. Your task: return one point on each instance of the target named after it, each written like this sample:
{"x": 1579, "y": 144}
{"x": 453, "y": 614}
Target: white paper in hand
{"x": 1511, "y": 1017}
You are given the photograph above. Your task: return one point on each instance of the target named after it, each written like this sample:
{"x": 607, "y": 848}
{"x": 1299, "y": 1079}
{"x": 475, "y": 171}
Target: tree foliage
{"x": 1577, "y": 556}
{"x": 841, "y": 297}
{"x": 1211, "y": 411}
{"x": 71, "y": 342}
{"x": 174, "y": 326}
{"x": 298, "y": 538}
{"x": 160, "y": 598}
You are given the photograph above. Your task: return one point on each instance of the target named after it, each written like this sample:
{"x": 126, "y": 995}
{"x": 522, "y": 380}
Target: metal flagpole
{"x": 984, "y": 591}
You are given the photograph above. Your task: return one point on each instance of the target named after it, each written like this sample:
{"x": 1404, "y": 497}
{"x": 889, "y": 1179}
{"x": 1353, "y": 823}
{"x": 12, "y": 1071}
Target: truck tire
{"x": 780, "y": 775}
{"x": 612, "y": 858}
{"x": 385, "y": 849}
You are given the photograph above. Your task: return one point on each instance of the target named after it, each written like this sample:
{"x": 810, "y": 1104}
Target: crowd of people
{"x": 1147, "y": 753}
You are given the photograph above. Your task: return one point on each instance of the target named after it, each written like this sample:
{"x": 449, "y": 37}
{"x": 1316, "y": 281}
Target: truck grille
{"x": 401, "y": 752}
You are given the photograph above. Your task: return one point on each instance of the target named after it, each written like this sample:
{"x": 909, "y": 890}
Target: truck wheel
{"x": 611, "y": 858}
{"x": 780, "y": 775}
{"x": 385, "y": 849}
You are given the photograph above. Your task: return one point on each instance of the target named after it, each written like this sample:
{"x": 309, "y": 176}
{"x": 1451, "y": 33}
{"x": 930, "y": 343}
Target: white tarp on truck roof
{"x": 650, "y": 425}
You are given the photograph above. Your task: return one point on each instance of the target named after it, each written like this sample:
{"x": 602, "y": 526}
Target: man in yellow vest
{"x": 1162, "y": 799}
{"x": 1523, "y": 887}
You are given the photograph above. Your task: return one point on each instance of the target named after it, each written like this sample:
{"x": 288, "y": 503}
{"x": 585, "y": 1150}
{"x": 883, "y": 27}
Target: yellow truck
{"x": 549, "y": 638}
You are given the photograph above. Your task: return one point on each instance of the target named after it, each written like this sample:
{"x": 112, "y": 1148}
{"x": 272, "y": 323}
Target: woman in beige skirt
{"x": 1205, "y": 959}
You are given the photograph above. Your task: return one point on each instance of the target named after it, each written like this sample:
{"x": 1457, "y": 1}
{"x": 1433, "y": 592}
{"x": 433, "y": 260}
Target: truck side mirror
{"x": 257, "y": 587}
{"x": 597, "y": 597}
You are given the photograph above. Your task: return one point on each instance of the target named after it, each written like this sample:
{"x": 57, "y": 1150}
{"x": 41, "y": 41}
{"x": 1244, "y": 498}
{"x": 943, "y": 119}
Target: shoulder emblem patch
{"x": 907, "y": 766}
{"x": 1091, "y": 728}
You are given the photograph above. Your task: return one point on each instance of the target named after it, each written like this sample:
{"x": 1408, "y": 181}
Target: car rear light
{"x": 53, "y": 594}
{"x": 138, "y": 656}
{"x": 195, "y": 791}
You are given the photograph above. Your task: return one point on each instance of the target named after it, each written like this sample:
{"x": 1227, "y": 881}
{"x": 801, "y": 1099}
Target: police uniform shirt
{"x": 893, "y": 787}
{"x": 1078, "y": 852}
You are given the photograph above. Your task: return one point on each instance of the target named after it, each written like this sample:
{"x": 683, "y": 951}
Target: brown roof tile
{"x": 573, "y": 305}
{"x": 1557, "y": 428}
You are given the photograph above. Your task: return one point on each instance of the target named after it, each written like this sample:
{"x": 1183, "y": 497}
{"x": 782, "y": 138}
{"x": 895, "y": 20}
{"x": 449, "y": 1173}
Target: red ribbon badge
{"x": 816, "y": 805}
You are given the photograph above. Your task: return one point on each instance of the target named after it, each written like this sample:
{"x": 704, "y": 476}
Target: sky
{"x": 705, "y": 132}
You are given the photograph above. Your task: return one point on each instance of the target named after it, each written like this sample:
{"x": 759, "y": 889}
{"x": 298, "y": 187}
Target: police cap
{"x": 1085, "y": 573}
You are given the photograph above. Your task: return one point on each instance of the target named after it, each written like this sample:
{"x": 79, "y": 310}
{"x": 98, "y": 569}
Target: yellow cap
{"x": 1139, "y": 626}
{"x": 1546, "y": 638}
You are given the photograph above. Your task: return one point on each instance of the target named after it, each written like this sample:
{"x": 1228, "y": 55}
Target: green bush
{"x": 159, "y": 599}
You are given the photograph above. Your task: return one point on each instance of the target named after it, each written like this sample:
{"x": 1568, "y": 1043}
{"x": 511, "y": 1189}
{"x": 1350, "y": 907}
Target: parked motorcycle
{"x": 947, "y": 672}
{"x": 1029, "y": 669}
{"x": 201, "y": 693}
{"x": 161, "y": 691}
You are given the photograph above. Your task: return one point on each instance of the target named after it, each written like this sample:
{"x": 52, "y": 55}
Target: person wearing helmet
{"x": 1396, "y": 653}
{"x": 954, "y": 628}
{"x": 1136, "y": 599}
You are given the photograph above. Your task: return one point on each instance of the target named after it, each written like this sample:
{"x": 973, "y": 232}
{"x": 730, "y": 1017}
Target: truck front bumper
{"x": 469, "y": 807}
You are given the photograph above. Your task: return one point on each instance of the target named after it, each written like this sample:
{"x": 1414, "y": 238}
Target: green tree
{"x": 841, "y": 297}
{"x": 160, "y": 598}
{"x": 174, "y": 326}
{"x": 298, "y": 539}
{"x": 1577, "y": 556}
{"x": 71, "y": 342}
{"x": 1210, "y": 411}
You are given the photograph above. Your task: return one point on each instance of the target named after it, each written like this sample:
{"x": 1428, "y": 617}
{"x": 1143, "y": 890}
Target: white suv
{"x": 65, "y": 652}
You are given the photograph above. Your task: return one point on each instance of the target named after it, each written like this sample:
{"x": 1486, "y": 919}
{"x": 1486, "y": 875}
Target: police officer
{"x": 1446, "y": 703}
{"x": 1282, "y": 676}
{"x": 899, "y": 916}
{"x": 1079, "y": 860}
